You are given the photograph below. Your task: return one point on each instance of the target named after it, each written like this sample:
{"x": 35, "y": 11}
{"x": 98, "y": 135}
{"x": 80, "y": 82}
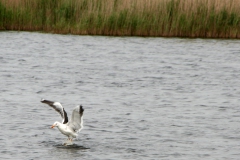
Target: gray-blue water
{"x": 144, "y": 98}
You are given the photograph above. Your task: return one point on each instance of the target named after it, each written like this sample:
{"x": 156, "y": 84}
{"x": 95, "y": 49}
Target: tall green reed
{"x": 183, "y": 18}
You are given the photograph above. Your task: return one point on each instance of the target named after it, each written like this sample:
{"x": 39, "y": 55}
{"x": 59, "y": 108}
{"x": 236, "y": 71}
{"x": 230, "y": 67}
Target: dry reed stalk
{"x": 190, "y": 18}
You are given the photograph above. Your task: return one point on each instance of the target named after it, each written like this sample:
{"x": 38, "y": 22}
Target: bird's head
{"x": 56, "y": 124}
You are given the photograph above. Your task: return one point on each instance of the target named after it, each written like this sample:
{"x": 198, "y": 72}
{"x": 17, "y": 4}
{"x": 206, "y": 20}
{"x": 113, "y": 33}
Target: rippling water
{"x": 144, "y": 98}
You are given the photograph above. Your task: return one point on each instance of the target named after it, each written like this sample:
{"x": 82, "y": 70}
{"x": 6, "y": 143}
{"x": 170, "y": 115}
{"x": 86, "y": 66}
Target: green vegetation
{"x": 181, "y": 18}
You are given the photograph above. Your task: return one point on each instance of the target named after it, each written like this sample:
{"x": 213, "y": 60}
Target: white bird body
{"x": 68, "y": 128}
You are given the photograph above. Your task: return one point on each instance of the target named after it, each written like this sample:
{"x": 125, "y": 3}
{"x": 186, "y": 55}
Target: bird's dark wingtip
{"x": 47, "y": 101}
{"x": 81, "y": 109}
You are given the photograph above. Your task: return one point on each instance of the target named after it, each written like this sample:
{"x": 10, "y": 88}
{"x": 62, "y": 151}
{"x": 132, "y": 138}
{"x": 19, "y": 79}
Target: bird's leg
{"x": 67, "y": 141}
{"x": 71, "y": 140}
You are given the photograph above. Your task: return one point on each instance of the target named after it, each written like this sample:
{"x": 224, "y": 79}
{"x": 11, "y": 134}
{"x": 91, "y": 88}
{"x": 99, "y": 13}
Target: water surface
{"x": 144, "y": 98}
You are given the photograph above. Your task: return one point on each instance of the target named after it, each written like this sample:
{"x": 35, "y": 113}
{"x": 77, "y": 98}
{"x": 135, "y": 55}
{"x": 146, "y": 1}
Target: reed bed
{"x": 168, "y": 18}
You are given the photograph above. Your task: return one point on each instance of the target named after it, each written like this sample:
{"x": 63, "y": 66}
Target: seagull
{"x": 69, "y": 128}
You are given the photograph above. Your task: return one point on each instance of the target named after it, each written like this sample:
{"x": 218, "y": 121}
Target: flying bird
{"x": 69, "y": 128}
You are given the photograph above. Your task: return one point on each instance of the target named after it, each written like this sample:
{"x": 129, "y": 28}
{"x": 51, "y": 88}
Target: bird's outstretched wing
{"x": 59, "y": 108}
{"x": 76, "y": 121}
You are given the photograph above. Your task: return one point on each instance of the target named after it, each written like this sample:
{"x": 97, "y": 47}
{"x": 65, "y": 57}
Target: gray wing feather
{"x": 59, "y": 108}
{"x": 76, "y": 121}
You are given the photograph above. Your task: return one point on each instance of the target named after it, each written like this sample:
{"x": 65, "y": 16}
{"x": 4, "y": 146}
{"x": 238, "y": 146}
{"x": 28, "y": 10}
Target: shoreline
{"x": 167, "y": 37}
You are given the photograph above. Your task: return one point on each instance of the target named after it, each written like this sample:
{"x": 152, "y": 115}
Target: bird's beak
{"x": 52, "y": 126}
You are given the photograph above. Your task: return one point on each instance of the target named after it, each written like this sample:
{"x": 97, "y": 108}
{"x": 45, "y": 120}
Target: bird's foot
{"x": 68, "y": 142}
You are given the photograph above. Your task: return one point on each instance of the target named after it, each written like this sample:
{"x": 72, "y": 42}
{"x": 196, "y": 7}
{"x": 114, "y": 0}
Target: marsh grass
{"x": 182, "y": 18}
